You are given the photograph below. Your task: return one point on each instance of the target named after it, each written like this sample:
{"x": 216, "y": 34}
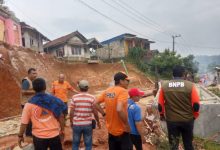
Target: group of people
{"x": 43, "y": 115}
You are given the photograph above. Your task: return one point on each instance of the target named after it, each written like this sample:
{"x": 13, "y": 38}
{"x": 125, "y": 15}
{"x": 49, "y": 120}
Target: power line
{"x": 153, "y": 22}
{"x": 140, "y": 15}
{"x": 143, "y": 22}
{"x": 118, "y": 23}
{"x": 153, "y": 26}
{"x": 130, "y": 16}
{"x": 30, "y": 18}
{"x": 126, "y": 27}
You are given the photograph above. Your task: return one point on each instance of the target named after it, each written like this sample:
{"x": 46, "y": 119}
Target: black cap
{"x": 120, "y": 76}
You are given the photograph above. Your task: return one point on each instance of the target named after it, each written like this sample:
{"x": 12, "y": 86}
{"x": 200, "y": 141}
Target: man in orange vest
{"x": 60, "y": 89}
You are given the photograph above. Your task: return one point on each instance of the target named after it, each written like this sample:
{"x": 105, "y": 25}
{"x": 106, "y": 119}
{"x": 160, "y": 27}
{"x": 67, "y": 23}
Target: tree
{"x": 190, "y": 64}
{"x": 165, "y": 62}
{"x": 135, "y": 55}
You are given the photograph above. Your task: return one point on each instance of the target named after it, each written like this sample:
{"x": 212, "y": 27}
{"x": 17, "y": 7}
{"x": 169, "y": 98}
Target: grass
{"x": 199, "y": 144}
{"x": 216, "y": 91}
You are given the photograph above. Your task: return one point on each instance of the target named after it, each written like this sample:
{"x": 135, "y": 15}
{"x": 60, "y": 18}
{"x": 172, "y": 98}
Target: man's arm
{"x": 138, "y": 122}
{"x": 53, "y": 89}
{"x": 95, "y": 112}
{"x": 161, "y": 108}
{"x": 71, "y": 115}
{"x": 148, "y": 93}
{"x": 25, "y": 119}
{"x": 72, "y": 89}
{"x": 99, "y": 108}
{"x": 61, "y": 121}
{"x": 139, "y": 125}
{"x": 21, "y": 134}
{"x": 195, "y": 102}
{"x": 122, "y": 115}
{"x": 97, "y": 103}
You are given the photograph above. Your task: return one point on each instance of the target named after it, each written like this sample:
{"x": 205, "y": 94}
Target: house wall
{"x": 69, "y": 56}
{"x": 37, "y": 40}
{"x": 115, "y": 49}
{"x": 53, "y": 51}
{"x": 2, "y": 30}
{"x": 11, "y": 31}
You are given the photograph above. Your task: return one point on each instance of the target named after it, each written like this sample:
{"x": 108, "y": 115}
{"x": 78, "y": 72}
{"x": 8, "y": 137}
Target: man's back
{"x": 83, "y": 108}
{"x": 110, "y": 97}
{"x": 44, "y": 123}
{"x": 178, "y": 96}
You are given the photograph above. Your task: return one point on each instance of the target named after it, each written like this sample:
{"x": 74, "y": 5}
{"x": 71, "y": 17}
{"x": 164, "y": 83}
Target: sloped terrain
{"x": 18, "y": 60}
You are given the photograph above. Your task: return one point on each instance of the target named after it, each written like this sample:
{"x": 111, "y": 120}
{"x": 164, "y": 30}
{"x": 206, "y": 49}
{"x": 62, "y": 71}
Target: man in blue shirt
{"x": 135, "y": 117}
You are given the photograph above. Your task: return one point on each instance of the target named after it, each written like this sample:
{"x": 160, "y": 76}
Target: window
{"x": 31, "y": 42}
{"x": 60, "y": 52}
{"x": 23, "y": 41}
{"x": 76, "y": 50}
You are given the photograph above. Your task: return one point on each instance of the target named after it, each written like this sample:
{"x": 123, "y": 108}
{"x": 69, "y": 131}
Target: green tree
{"x": 135, "y": 55}
{"x": 165, "y": 61}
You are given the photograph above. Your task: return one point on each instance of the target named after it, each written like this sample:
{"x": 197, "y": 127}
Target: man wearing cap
{"x": 135, "y": 117}
{"x": 81, "y": 110}
{"x": 116, "y": 103}
{"x": 179, "y": 104}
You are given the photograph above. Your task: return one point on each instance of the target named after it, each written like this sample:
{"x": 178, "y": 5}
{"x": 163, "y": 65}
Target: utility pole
{"x": 175, "y": 36}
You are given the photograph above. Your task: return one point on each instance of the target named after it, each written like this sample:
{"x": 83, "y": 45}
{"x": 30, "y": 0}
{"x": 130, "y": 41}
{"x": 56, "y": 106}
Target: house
{"x": 32, "y": 38}
{"x": 10, "y": 30}
{"x": 118, "y": 47}
{"x": 73, "y": 47}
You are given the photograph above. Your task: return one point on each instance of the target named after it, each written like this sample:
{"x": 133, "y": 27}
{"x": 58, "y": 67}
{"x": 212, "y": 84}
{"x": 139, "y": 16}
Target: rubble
{"x": 153, "y": 131}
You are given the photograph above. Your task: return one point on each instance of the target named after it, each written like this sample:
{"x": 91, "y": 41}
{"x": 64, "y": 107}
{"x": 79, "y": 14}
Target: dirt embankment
{"x": 18, "y": 60}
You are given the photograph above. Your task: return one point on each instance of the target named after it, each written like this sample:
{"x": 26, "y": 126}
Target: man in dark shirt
{"x": 28, "y": 92}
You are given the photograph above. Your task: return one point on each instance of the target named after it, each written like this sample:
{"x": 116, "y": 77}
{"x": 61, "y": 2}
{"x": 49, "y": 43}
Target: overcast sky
{"x": 198, "y": 21}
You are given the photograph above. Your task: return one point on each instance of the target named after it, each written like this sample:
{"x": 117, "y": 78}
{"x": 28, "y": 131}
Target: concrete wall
{"x": 208, "y": 123}
{"x": 114, "y": 49}
{"x": 85, "y": 55}
{"x": 37, "y": 40}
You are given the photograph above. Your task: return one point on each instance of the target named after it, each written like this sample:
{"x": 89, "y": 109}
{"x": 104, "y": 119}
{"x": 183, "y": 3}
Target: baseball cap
{"x": 135, "y": 92}
{"x": 121, "y": 76}
{"x": 83, "y": 84}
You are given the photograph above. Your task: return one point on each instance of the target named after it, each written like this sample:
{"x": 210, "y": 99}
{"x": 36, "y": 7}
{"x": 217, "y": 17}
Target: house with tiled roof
{"x": 73, "y": 47}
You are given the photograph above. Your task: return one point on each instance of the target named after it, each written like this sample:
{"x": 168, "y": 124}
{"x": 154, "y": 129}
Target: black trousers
{"x": 136, "y": 141}
{"x": 177, "y": 129}
{"x": 28, "y": 131}
{"x": 44, "y": 144}
{"x": 122, "y": 142}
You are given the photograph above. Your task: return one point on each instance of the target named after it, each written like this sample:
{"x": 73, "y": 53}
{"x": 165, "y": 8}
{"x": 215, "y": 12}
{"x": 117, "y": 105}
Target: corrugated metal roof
{"x": 119, "y": 37}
